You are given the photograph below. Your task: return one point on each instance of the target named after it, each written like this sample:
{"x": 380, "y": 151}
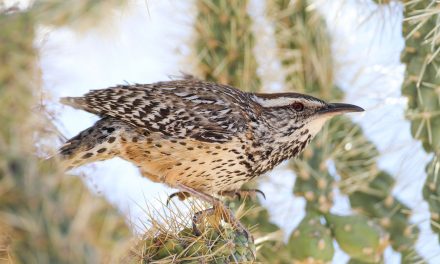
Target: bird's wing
{"x": 204, "y": 111}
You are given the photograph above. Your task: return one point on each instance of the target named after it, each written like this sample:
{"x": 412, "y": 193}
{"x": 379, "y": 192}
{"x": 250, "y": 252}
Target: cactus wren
{"x": 194, "y": 135}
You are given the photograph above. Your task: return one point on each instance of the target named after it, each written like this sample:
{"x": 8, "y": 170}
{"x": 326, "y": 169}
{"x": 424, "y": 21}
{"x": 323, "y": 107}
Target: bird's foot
{"x": 181, "y": 195}
{"x": 198, "y": 217}
{"x": 242, "y": 193}
{"x": 218, "y": 207}
{"x": 225, "y": 213}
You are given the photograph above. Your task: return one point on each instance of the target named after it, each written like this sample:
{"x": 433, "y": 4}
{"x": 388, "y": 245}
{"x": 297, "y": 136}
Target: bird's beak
{"x": 338, "y": 108}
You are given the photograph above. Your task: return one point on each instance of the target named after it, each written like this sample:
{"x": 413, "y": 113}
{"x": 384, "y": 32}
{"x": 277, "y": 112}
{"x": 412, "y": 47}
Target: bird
{"x": 202, "y": 138}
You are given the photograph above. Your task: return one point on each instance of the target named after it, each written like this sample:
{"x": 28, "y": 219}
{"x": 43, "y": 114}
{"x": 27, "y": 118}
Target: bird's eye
{"x": 298, "y": 107}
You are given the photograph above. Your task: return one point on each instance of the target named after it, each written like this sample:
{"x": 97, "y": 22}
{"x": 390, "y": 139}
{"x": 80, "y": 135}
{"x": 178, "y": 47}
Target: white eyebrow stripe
{"x": 277, "y": 102}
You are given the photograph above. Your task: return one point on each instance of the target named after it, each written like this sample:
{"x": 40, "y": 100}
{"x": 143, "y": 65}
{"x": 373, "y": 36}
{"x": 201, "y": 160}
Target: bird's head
{"x": 299, "y": 115}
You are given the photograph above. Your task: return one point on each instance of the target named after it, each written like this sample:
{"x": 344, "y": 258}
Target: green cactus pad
{"x": 311, "y": 241}
{"x": 359, "y": 237}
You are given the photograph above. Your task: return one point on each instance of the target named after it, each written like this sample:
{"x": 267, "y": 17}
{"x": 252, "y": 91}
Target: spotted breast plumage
{"x": 209, "y": 137}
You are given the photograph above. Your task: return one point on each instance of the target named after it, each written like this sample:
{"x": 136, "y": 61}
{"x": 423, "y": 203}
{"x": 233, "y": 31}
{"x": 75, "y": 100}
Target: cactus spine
{"x": 421, "y": 29}
{"x": 175, "y": 243}
{"x": 302, "y": 38}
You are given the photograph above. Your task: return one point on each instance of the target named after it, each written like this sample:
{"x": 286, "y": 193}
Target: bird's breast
{"x": 208, "y": 167}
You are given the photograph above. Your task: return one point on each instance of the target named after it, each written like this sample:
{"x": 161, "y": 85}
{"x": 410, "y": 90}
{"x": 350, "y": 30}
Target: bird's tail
{"x": 79, "y": 103}
{"x": 98, "y": 142}
{"x": 75, "y": 102}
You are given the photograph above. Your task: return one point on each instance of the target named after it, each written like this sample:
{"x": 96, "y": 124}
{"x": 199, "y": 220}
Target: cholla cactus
{"x": 305, "y": 51}
{"x": 47, "y": 216}
{"x": 269, "y": 237}
{"x": 176, "y": 242}
{"x": 311, "y": 242}
{"x": 79, "y": 14}
{"x": 359, "y": 237}
{"x": 382, "y": 2}
{"x": 225, "y": 44}
{"x": 421, "y": 29}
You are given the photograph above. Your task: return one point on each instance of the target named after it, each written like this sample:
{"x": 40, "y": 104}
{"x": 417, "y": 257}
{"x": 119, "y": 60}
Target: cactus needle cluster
{"x": 218, "y": 243}
{"x": 421, "y": 29}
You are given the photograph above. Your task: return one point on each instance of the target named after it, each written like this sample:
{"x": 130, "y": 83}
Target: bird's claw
{"x": 226, "y": 215}
{"x": 181, "y": 195}
{"x": 197, "y": 219}
{"x": 240, "y": 193}
{"x": 225, "y": 212}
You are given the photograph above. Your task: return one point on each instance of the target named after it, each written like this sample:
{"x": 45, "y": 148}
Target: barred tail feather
{"x": 93, "y": 144}
{"x": 76, "y": 102}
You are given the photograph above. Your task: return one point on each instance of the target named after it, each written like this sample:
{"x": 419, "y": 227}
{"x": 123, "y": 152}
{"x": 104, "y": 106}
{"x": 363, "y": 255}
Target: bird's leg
{"x": 200, "y": 195}
{"x": 242, "y": 193}
{"x": 181, "y": 195}
{"x": 198, "y": 217}
{"x": 217, "y": 206}
{"x": 231, "y": 194}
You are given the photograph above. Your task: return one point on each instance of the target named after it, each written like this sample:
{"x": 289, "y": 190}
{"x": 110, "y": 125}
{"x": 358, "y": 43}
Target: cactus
{"x": 225, "y": 44}
{"x": 421, "y": 87}
{"x": 431, "y": 193}
{"x": 311, "y": 241}
{"x": 359, "y": 237}
{"x": 47, "y": 216}
{"x": 421, "y": 54}
{"x": 306, "y": 55}
{"x": 79, "y": 14}
{"x": 272, "y": 248}
{"x": 218, "y": 243}
{"x": 382, "y": 2}
{"x": 356, "y": 261}
{"x": 391, "y": 214}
